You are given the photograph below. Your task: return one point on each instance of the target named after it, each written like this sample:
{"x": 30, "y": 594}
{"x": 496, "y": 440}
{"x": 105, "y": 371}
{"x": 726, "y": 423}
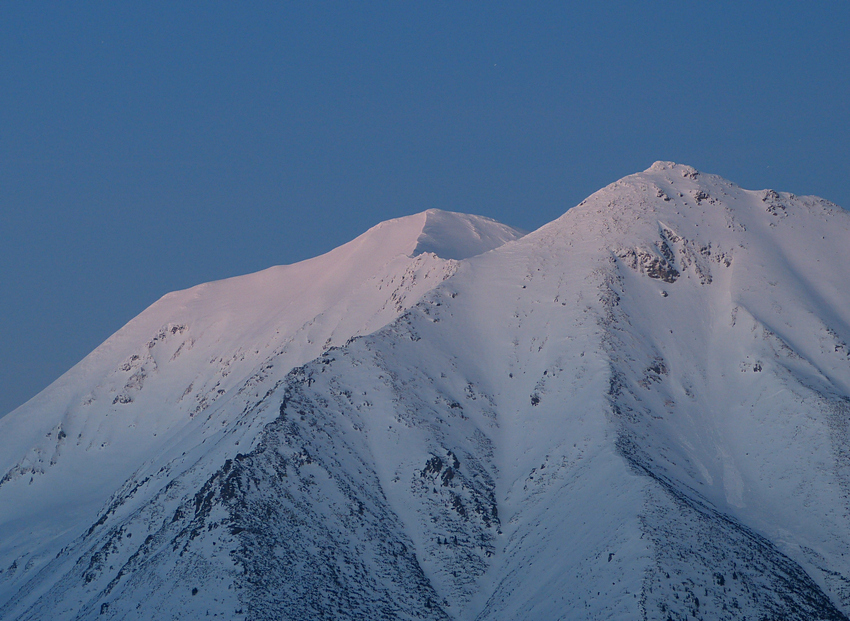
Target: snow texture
{"x": 639, "y": 411}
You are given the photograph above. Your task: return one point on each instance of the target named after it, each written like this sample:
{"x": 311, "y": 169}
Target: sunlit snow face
{"x": 639, "y": 401}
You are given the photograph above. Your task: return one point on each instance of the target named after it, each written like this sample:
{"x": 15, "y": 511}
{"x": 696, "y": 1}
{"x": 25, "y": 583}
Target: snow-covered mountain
{"x": 640, "y": 410}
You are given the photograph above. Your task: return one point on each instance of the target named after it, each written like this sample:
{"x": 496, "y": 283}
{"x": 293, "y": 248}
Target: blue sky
{"x": 147, "y": 147}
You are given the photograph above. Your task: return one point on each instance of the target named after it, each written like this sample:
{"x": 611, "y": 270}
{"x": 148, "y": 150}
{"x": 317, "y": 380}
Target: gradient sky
{"x": 147, "y": 147}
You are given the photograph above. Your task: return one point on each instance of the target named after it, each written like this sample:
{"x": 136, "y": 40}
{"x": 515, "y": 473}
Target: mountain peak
{"x": 687, "y": 171}
{"x": 446, "y": 234}
{"x": 452, "y": 235}
{"x": 639, "y": 410}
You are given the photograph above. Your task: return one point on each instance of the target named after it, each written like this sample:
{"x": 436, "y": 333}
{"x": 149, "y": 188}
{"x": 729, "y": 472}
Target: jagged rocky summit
{"x": 638, "y": 411}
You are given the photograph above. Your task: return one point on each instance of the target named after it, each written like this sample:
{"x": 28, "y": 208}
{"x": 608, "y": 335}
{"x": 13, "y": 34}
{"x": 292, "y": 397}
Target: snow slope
{"x": 180, "y": 372}
{"x": 639, "y": 410}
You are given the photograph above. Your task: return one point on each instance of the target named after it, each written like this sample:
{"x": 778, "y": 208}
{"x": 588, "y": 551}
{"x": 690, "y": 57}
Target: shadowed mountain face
{"x": 640, "y": 410}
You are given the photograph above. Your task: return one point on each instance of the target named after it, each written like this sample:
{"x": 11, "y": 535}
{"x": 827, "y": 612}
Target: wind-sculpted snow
{"x": 639, "y": 411}
{"x": 461, "y": 236}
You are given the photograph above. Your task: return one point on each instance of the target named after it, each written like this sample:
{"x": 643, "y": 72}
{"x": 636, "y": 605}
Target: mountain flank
{"x": 640, "y": 410}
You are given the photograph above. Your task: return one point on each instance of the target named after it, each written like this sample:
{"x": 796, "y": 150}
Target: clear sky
{"x": 147, "y": 147}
